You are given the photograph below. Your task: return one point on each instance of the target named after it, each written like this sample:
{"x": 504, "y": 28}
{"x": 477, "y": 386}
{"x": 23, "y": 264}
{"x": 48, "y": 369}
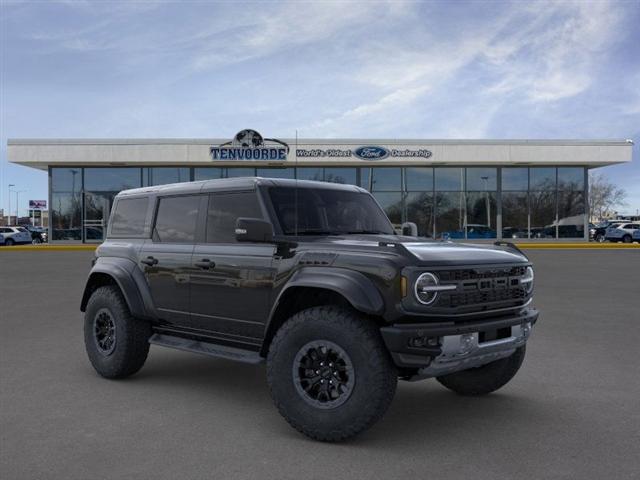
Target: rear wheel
{"x": 329, "y": 373}
{"x": 626, "y": 238}
{"x": 117, "y": 343}
{"x": 9, "y": 242}
{"x": 485, "y": 379}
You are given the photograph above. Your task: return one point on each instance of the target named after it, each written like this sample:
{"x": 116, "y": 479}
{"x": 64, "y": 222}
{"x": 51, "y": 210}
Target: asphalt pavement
{"x": 573, "y": 410}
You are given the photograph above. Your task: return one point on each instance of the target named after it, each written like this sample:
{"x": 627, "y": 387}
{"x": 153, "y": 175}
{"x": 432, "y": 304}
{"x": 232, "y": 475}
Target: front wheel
{"x": 329, "y": 373}
{"x": 599, "y": 238}
{"x": 36, "y": 241}
{"x": 626, "y": 239}
{"x": 485, "y": 379}
{"x": 117, "y": 343}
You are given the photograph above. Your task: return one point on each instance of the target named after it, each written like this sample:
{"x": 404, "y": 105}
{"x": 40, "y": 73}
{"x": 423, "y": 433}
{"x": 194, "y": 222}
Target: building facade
{"x": 458, "y": 189}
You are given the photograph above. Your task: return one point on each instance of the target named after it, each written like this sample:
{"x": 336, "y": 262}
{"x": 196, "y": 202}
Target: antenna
{"x": 295, "y": 201}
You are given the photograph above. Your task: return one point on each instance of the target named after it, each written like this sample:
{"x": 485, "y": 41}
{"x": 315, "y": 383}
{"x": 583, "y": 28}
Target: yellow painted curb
{"x": 584, "y": 246}
{"x": 47, "y": 248}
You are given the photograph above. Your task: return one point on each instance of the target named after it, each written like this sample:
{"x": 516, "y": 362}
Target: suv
{"x": 38, "y": 234}
{"x": 622, "y": 232}
{"x": 599, "y": 232}
{"x": 309, "y": 278}
{"x": 15, "y": 235}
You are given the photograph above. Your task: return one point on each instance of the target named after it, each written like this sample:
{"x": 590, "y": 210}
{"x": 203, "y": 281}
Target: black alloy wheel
{"x": 323, "y": 374}
{"x": 104, "y": 332}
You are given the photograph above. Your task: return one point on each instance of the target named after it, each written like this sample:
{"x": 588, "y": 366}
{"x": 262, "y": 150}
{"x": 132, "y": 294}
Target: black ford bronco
{"x": 312, "y": 279}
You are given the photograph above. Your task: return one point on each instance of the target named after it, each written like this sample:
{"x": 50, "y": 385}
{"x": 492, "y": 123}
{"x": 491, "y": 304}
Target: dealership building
{"x": 475, "y": 189}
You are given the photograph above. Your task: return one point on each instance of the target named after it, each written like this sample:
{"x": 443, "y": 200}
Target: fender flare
{"x": 355, "y": 287}
{"x": 129, "y": 279}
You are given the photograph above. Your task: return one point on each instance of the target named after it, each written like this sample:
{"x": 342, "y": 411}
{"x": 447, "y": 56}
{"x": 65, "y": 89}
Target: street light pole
{"x": 18, "y": 192}
{"x": 9, "y": 212}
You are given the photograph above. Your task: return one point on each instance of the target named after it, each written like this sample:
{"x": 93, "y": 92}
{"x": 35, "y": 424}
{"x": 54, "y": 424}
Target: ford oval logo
{"x": 371, "y": 153}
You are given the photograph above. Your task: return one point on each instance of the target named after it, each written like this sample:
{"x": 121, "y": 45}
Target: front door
{"x": 96, "y": 214}
{"x": 166, "y": 258}
{"x": 232, "y": 281}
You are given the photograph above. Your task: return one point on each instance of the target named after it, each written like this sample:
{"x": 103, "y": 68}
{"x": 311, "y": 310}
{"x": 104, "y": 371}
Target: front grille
{"x": 482, "y": 288}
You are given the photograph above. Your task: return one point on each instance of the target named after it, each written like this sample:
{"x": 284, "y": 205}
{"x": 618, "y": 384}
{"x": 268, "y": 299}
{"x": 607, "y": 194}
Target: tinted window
{"x": 111, "y": 179}
{"x": 515, "y": 179}
{"x": 449, "y": 179}
{"x": 129, "y": 216}
{"x": 224, "y": 210}
{"x": 316, "y": 211}
{"x": 176, "y": 219}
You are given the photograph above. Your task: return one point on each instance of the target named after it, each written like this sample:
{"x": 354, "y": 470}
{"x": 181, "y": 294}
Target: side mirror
{"x": 253, "y": 230}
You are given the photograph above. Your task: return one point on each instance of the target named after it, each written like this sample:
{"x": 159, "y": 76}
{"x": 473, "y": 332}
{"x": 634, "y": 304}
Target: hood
{"x": 428, "y": 251}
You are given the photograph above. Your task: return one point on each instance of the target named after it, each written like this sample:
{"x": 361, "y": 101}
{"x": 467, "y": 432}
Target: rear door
{"x": 232, "y": 281}
{"x": 166, "y": 258}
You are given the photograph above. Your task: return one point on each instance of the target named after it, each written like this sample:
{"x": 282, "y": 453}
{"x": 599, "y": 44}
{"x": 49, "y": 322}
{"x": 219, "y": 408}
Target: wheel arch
{"x": 311, "y": 287}
{"x": 117, "y": 272}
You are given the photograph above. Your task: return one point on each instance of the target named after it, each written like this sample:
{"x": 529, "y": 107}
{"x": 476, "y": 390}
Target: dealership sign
{"x": 366, "y": 152}
{"x": 250, "y": 145}
{"x": 38, "y": 204}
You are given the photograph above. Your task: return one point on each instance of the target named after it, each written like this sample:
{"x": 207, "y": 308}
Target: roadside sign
{"x": 38, "y": 204}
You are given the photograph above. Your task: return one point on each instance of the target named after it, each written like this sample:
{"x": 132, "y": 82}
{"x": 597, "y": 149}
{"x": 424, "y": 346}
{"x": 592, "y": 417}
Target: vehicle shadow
{"x": 421, "y": 413}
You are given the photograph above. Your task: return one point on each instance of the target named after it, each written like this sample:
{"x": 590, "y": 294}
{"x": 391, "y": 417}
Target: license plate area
{"x": 491, "y": 335}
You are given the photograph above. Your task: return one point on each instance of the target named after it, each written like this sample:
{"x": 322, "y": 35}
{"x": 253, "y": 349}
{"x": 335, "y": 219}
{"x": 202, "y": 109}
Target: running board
{"x": 211, "y": 349}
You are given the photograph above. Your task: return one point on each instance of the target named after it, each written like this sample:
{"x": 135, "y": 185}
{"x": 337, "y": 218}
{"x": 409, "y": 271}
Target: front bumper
{"x": 434, "y": 349}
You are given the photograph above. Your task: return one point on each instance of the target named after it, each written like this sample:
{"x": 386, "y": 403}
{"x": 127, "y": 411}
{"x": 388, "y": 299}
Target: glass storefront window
{"x": 571, "y": 178}
{"x": 310, "y": 173}
{"x": 449, "y": 208}
{"x": 482, "y": 179}
{"x": 542, "y": 178}
{"x": 418, "y": 179}
{"x": 66, "y": 216}
{"x": 66, "y": 179}
{"x": 449, "y": 179}
{"x": 481, "y": 215}
{"x": 515, "y": 179}
{"x": 419, "y": 207}
{"x": 391, "y": 203}
{"x": 240, "y": 172}
{"x": 571, "y": 211}
{"x": 164, "y": 176}
{"x": 543, "y": 214}
{"x": 111, "y": 179}
{"x": 207, "y": 173}
{"x": 386, "y": 179}
{"x": 515, "y": 215}
{"x": 340, "y": 175}
{"x": 276, "y": 172}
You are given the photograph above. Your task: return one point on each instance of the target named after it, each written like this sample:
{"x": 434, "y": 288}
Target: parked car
{"x": 15, "y": 235}
{"x": 474, "y": 231}
{"x": 311, "y": 279}
{"x": 600, "y": 230}
{"x": 622, "y": 232}
{"x": 38, "y": 234}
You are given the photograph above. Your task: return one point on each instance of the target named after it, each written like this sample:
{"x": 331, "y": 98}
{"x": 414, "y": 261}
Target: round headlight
{"x": 425, "y": 290}
{"x": 527, "y": 280}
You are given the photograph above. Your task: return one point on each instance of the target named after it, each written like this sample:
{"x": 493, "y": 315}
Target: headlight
{"x": 427, "y": 287}
{"x": 527, "y": 280}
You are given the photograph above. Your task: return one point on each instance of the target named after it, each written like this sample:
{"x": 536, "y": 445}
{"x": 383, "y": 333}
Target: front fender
{"x": 354, "y": 286}
{"x": 129, "y": 278}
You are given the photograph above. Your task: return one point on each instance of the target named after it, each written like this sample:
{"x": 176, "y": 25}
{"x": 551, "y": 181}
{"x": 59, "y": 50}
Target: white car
{"x": 623, "y": 232}
{"x": 15, "y": 235}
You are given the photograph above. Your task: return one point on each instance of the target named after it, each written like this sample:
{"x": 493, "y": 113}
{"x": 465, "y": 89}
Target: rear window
{"x": 128, "y": 217}
{"x": 176, "y": 219}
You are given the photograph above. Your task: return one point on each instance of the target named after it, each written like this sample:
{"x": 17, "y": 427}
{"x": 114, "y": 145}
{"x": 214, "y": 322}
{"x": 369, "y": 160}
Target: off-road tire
{"x": 485, "y": 379}
{"x": 375, "y": 376}
{"x": 131, "y": 335}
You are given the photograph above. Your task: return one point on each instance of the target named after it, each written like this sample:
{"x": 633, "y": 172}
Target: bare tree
{"x": 604, "y": 196}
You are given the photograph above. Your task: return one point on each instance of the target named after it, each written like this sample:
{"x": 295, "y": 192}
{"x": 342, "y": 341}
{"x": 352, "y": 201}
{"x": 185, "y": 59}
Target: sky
{"x": 387, "y": 69}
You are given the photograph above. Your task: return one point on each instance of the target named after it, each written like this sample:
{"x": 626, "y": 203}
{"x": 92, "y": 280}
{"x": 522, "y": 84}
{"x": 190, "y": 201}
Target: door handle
{"x": 151, "y": 261}
{"x": 205, "y": 264}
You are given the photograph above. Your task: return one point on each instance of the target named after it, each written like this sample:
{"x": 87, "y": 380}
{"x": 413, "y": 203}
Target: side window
{"x": 176, "y": 219}
{"x": 128, "y": 217}
{"x": 224, "y": 210}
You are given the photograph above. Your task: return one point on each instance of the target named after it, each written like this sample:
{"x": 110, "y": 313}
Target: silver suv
{"x": 15, "y": 235}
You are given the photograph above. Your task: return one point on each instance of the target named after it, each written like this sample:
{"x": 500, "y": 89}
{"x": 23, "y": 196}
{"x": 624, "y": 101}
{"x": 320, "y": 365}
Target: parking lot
{"x": 573, "y": 411}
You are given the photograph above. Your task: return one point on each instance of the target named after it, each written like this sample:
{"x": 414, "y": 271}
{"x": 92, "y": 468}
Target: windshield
{"x": 323, "y": 211}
